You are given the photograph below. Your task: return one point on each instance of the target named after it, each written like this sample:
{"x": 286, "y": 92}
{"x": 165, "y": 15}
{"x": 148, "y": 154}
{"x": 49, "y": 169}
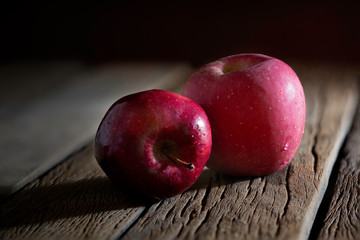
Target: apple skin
{"x": 138, "y": 134}
{"x": 256, "y": 108}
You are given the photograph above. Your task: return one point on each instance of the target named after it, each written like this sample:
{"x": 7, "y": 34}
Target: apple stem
{"x": 174, "y": 159}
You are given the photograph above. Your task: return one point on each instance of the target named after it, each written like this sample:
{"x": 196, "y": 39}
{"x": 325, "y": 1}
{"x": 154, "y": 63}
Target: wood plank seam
{"x": 342, "y": 220}
{"x": 349, "y": 107}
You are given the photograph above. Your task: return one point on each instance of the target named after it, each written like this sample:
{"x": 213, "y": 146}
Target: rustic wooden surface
{"x": 342, "y": 220}
{"x": 76, "y": 201}
{"x": 73, "y": 201}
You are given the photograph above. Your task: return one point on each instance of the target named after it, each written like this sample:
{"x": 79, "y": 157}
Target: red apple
{"x": 256, "y": 108}
{"x": 153, "y": 143}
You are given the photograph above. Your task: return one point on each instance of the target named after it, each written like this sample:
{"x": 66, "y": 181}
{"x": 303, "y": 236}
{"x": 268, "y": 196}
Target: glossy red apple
{"x": 256, "y": 108}
{"x": 154, "y": 143}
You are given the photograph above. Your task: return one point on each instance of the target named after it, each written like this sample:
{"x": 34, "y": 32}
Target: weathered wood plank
{"x": 37, "y": 133}
{"x": 343, "y": 217}
{"x": 73, "y": 201}
{"x": 25, "y": 82}
{"x": 282, "y": 205}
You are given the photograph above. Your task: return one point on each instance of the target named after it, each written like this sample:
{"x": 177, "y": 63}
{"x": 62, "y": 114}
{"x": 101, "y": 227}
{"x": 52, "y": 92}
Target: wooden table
{"x": 316, "y": 196}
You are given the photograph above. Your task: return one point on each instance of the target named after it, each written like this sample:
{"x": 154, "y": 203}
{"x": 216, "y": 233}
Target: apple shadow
{"x": 53, "y": 202}
{"x": 211, "y": 178}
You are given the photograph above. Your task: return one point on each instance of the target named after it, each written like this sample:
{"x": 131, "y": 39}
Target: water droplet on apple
{"x": 285, "y": 147}
{"x": 286, "y": 161}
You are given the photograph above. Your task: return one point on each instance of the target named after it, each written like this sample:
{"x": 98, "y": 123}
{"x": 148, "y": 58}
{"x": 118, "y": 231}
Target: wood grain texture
{"x": 73, "y": 201}
{"x": 343, "y": 217}
{"x": 76, "y": 201}
{"x": 282, "y": 205}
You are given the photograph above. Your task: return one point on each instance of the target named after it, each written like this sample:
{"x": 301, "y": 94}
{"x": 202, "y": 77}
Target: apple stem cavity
{"x": 174, "y": 159}
{"x": 228, "y": 69}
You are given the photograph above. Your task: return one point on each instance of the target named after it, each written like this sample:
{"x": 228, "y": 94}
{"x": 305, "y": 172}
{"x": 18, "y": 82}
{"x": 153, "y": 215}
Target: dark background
{"x": 191, "y": 31}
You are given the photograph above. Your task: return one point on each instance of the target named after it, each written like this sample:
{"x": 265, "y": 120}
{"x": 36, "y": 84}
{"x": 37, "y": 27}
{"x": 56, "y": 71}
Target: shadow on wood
{"x": 53, "y": 202}
{"x": 211, "y": 178}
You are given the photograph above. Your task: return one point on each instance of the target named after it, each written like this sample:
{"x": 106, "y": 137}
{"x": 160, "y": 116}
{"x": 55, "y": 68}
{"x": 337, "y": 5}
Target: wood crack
{"x": 314, "y": 153}
{"x": 287, "y": 177}
{"x": 248, "y": 188}
{"x": 202, "y": 222}
{"x": 206, "y": 195}
{"x": 265, "y": 185}
{"x": 186, "y": 206}
{"x": 170, "y": 211}
{"x": 134, "y": 222}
